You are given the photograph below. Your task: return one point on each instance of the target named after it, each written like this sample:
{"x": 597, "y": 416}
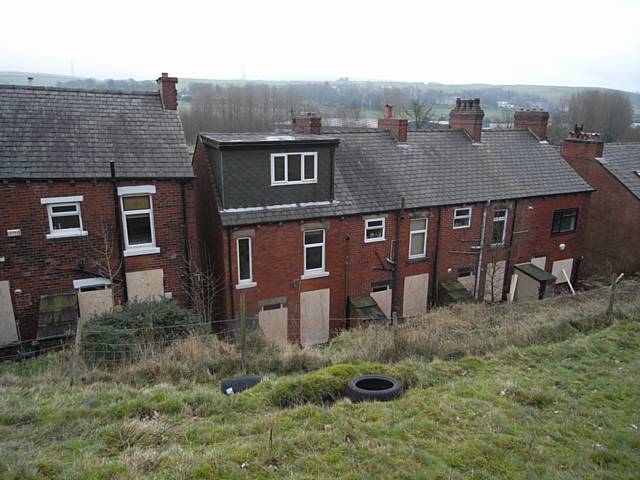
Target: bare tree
{"x": 108, "y": 262}
{"x": 420, "y": 112}
{"x": 202, "y": 287}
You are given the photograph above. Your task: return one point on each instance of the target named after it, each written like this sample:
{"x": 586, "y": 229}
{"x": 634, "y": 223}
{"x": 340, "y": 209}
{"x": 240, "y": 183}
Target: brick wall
{"x": 277, "y": 253}
{"x": 38, "y": 266}
{"x": 613, "y": 228}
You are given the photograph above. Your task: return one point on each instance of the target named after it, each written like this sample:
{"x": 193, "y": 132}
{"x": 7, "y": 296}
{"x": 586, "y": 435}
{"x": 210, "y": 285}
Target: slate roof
{"x": 623, "y": 162}
{"x": 433, "y": 168}
{"x": 50, "y": 133}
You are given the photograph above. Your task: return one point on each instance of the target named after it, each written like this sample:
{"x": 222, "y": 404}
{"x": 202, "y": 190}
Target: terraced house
{"x": 317, "y": 226}
{"x": 97, "y": 205}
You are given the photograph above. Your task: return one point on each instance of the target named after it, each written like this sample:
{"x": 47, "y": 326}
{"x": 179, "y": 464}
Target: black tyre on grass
{"x": 239, "y": 384}
{"x": 374, "y": 387}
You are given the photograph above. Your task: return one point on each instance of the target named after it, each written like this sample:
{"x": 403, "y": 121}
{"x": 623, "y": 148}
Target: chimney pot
{"x": 467, "y": 115}
{"x": 388, "y": 108}
{"x": 397, "y": 126}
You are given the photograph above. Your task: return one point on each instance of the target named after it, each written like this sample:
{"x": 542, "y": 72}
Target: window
{"x": 294, "y": 168}
{"x": 418, "y": 238}
{"x": 314, "y": 251}
{"x": 137, "y": 220}
{"x": 374, "y": 230}
{"x": 462, "y": 218}
{"x": 499, "y": 226}
{"x": 245, "y": 266}
{"x": 564, "y": 221}
{"x": 65, "y": 219}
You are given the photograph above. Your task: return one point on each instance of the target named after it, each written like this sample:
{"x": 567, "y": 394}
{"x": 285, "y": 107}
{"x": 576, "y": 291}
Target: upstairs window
{"x": 564, "y": 221}
{"x": 499, "y": 226}
{"x": 313, "y": 251}
{"x": 294, "y": 168}
{"x": 65, "y": 219}
{"x": 462, "y": 218}
{"x": 245, "y": 266}
{"x": 418, "y": 238}
{"x": 137, "y": 219}
{"x": 374, "y": 230}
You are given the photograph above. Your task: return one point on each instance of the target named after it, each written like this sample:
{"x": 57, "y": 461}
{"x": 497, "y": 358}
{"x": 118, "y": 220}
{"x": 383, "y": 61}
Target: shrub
{"x": 116, "y": 336}
{"x": 329, "y": 384}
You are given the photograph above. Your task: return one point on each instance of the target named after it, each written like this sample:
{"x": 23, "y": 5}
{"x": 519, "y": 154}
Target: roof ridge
{"x": 9, "y": 86}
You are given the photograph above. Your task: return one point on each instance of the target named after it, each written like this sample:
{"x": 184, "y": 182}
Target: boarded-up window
{"x": 145, "y": 285}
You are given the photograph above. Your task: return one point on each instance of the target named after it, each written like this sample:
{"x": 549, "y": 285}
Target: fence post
{"x": 243, "y": 329}
{"x": 394, "y": 326}
{"x": 76, "y": 353}
{"x": 612, "y": 295}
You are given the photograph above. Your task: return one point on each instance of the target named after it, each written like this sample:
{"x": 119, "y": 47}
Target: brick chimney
{"x": 467, "y": 115}
{"x": 534, "y": 120}
{"x": 397, "y": 126}
{"x": 308, "y": 123}
{"x": 581, "y": 145}
{"x": 168, "y": 93}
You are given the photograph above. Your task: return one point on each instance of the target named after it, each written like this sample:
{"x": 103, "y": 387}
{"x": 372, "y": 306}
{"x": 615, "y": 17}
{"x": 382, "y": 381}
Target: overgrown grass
{"x": 541, "y": 407}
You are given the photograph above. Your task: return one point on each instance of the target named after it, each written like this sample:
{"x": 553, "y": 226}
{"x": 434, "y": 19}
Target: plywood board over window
{"x": 273, "y": 323}
{"x": 145, "y": 285}
{"x": 558, "y": 266}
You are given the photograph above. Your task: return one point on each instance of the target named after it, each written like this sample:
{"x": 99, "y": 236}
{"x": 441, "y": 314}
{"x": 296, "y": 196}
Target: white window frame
{"x": 412, "y": 232}
{"x": 138, "y": 191}
{"x": 367, "y": 227}
{"x": 460, "y": 217}
{"x": 504, "y": 227}
{"x": 275, "y": 183}
{"x": 310, "y": 273}
{"x": 73, "y": 200}
{"x": 247, "y": 282}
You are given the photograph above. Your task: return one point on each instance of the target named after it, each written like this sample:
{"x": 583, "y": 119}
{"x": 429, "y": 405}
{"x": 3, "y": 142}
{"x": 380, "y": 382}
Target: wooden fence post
{"x": 612, "y": 295}
{"x": 75, "y": 360}
{"x": 394, "y": 325}
{"x": 243, "y": 330}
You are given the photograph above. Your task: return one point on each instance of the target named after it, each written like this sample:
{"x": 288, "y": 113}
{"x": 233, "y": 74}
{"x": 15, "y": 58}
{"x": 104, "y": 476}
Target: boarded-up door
{"x": 145, "y": 285}
{"x": 94, "y": 302}
{"x": 383, "y": 299}
{"x": 314, "y": 317}
{"x": 273, "y": 324}
{"x": 8, "y": 331}
{"x": 495, "y": 276}
{"x": 414, "y": 299}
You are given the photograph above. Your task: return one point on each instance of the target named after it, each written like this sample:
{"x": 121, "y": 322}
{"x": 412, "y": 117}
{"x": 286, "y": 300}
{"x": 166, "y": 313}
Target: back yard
{"x": 543, "y": 391}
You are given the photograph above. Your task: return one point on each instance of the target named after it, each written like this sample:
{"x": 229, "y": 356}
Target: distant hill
{"x": 550, "y": 93}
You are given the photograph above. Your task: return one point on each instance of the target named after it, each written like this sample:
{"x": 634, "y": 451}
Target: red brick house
{"x": 613, "y": 225}
{"x": 317, "y": 226}
{"x": 97, "y": 205}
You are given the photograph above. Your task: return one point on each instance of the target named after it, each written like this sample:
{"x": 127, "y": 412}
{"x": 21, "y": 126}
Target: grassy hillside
{"x": 561, "y": 410}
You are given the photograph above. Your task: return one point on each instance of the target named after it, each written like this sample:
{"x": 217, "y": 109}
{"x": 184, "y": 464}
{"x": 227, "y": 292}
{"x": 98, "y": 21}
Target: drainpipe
{"x": 434, "y": 281}
{"x": 476, "y": 292}
{"x": 510, "y": 246}
{"x": 116, "y": 206}
{"x": 396, "y": 259}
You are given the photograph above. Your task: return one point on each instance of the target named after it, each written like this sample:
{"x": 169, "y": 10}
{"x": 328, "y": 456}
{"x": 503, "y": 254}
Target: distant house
{"x": 317, "y": 228}
{"x": 613, "y": 224}
{"x": 97, "y": 205}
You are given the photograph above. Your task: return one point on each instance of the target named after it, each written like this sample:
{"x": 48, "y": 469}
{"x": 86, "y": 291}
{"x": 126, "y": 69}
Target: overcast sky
{"x": 581, "y": 43}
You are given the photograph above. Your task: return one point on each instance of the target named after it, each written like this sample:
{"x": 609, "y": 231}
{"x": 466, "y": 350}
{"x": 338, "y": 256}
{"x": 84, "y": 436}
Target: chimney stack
{"x": 168, "y": 93}
{"x": 534, "y": 120}
{"x": 307, "y": 123}
{"x": 397, "y": 126}
{"x": 580, "y": 145}
{"x": 467, "y": 115}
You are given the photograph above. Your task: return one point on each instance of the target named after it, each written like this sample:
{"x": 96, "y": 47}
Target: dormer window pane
{"x": 309, "y": 167}
{"x": 294, "y": 167}
{"x": 278, "y": 169}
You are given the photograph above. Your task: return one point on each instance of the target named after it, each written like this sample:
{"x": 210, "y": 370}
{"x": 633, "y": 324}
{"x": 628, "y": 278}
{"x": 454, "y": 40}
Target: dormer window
{"x": 294, "y": 168}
